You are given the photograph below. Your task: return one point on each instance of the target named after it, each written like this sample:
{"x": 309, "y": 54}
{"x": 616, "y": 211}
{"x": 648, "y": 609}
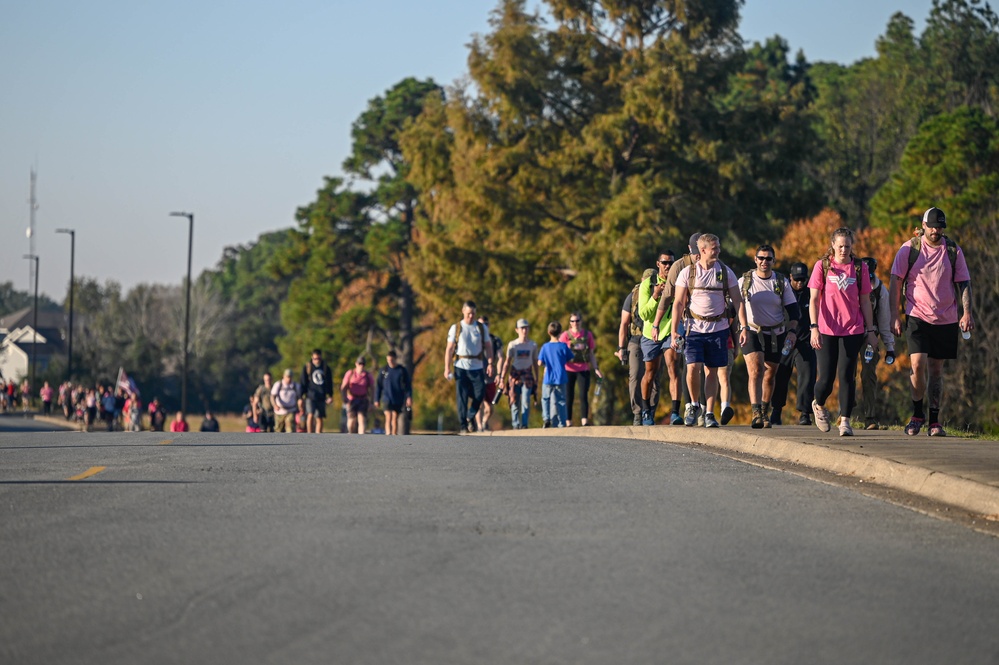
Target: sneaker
{"x": 637, "y": 420}
{"x": 546, "y": 424}
{"x": 757, "y": 422}
{"x": 700, "y": 420}
{"x": 647, "y": 418}
{"x": 709, "y": 420}
{"x": 936, "y": 429}
{"x": 675, "y": 419}
{"x": 845, "y": 429}
{"x": 821, "y": 416}
{"x": 871, "y": 425}
{"x": 775, "y": 418}
{"x": 804, "y": 419}
{"x": 727, "y": 414}
{"x": 915, "y": 424}
{"x": 690, "y": 414}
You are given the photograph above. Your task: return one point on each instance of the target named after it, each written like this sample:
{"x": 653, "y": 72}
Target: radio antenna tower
{"x": 33, "y": 206}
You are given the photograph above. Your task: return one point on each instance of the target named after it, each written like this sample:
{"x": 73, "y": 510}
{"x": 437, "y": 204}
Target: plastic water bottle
{"x": 890, "y": 358}
{"x": 966, "y": 334}
{"x": 787, "y": 347}
{"x": 868, "y": 354}
{"x": 600, "y": 382}
{"x": 678, "y": 345}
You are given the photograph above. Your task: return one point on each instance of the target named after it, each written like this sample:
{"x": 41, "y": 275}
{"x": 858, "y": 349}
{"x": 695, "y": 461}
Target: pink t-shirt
{"x": 704, "y": 301}
{"x": 582, "y": 346}
{"x": 929, "y": 293}
{"x": 839, "y": 303}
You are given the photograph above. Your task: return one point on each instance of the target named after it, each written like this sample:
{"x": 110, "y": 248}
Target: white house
{"x": 19, "y": 338}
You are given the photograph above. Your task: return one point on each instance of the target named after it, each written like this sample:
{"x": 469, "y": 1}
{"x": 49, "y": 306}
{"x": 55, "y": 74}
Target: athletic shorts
{"x": 392, "y": 406}
{"x": 771, "y": 351}
{"x": 652, "y": 350}
{"x": 357, "y": 405}
{"x": 315, "y": 406}
{"x": 708, "y": 348}
{"x": 937, "y": 341}
{"x": 490, "y": 392}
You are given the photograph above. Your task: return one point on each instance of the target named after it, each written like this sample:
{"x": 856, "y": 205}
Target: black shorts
{"x": 315, "y": 406}
{"x": 937, "y": 341}
{"x": 771, "y": 351}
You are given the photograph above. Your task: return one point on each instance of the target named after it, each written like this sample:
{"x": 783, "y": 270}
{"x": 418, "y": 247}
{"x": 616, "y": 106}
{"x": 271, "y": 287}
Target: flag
{"x": 126, "y": 383}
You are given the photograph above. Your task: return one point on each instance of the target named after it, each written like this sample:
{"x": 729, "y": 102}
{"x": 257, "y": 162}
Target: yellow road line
{"x": 92, "y": 471}
{"x": 166, "y": 442}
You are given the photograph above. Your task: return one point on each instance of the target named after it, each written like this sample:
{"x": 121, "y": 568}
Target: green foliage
{"x": 12, "y": 300}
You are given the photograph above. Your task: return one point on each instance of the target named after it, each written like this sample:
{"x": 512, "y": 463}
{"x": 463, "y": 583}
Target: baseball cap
{"x": 799, "y": 271}
{"x": 935, "y": 218}
{"x": 522, "y": 323}
{"x": 287, "y": 373}
{"x": 692, "y": 243}
{"x": 872, "y": 263}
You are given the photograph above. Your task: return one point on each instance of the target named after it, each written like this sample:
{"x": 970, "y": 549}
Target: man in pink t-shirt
{"x": 932, "y": 285}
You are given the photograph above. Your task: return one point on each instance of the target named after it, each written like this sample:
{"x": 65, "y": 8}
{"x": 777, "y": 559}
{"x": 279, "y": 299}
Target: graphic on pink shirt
{"x": 930, "y": 294}
{"x": 839, "y": 312}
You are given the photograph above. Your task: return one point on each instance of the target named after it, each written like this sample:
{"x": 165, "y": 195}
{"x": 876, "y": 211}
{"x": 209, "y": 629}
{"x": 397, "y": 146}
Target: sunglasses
{"x": 764, "y": 258}
{"x": 665, "y": 263}
{"x": 574, "y": 320}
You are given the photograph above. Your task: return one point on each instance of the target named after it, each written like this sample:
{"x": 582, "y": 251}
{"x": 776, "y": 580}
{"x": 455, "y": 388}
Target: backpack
{"x": 916, "y": 244}
{"x": 637, "y": 324}
{"x": 482, "y": 335}
{"x": 858, "y": 267}
{"x": 747, "y": 283}
{"x": 720, "y": 270}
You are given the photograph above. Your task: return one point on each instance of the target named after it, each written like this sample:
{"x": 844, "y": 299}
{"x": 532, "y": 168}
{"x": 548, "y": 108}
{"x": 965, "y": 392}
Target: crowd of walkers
{"x": 687, "y": 319}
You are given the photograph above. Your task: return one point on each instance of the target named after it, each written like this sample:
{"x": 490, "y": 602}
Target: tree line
{"x": 585, "y": 139}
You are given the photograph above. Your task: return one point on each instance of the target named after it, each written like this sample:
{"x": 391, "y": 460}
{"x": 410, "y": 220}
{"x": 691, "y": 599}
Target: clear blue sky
{"x": 236, "y": 110}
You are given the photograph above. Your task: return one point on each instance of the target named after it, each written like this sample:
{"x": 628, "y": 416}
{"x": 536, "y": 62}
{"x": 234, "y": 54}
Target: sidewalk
{"x": 963, "y": 473}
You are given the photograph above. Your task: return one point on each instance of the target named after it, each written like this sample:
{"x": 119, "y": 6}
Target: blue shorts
{"x": 708, "y": 348}
{"x": 652, "y": 350}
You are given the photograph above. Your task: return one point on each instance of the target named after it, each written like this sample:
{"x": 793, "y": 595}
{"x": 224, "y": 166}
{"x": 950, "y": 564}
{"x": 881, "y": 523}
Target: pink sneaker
{"x": 821, "y": 417}
{"x": 936, "y": 429}
{"x": 915, "y": 424}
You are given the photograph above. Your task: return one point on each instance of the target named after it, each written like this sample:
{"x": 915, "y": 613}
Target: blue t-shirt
{"x": 554, "y": 356}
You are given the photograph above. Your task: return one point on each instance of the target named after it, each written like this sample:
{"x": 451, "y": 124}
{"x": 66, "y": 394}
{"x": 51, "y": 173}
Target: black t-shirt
{"x": 318, "y": 381}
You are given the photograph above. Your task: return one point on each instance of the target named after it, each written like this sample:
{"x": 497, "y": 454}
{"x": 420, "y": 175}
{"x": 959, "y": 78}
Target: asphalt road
{"x": 234, "y": 548}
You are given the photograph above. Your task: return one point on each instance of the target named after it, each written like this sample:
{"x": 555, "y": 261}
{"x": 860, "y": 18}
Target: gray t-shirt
{"x": 469, "y": 343}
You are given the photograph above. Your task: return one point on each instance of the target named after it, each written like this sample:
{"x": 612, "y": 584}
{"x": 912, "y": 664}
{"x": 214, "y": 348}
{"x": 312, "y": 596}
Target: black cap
{"x": 799, "y": 271}
{"x": 872, "y": 263}
{"x": 692, "y": 243}
{"x": 935, "y": 218}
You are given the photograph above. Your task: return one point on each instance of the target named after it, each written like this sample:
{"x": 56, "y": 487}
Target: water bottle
{"x": 787, "y": 347}
{"x": 966, "y": 334}
{"x": 868, "y": 354}
{"x": 678, "y": 345}
{"x": 890, "y": 358}
{"x": 499, "y": 393}
{"x": 600, "y": 381}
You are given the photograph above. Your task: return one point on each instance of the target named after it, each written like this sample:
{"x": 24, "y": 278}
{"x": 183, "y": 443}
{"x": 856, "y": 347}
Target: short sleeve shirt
{"x": 929, "y": 288}
{"x": 839, "y": 312}
{"x": 582, "y": 345}
{"x": 522, "y": 356}
{"x": 707, "y": 299}
{"x": 469, "y": 343}
{"x": 764, "y": 308}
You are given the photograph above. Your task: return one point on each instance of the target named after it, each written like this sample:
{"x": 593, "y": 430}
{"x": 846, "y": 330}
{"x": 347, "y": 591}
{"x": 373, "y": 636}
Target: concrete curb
{"x": 975, "y": 497}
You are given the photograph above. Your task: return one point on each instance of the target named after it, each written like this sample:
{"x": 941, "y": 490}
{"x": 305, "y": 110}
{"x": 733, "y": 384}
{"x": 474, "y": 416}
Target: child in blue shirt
{"x": 553, "y": 357}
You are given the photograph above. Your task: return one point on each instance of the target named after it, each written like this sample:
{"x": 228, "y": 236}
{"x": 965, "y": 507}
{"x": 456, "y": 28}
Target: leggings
{"x": 584, "y": 388}
{"x": 841, "y": 353}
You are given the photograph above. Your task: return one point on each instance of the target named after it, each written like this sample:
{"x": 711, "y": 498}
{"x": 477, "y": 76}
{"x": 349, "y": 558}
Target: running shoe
{"x": 936, "y": 429}
{"x": 804, "y": 419}
{"x": 872, "y": 425}
{"x": 647, "y": 418}
{"x": 690, "y": 414}
{"x": 709, "y": 420}
{"x": 845, "y": 429}
{"x": 675, "y": 419}
{"x": 915, "y": 424}
{"x": 821, "y": 416}
{"x": 637, "y": 421}
{"x": 726, "y": 415}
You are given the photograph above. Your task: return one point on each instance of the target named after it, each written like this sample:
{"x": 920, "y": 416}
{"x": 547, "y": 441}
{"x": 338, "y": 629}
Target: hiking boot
{"x": 804, "y": 419}
{"x": 775, "y": 418}
{"x": 709, "y": 420}
{"x": 637, "y": 421}
{"x": 757, "y": 422}
{"x": 690, "y": 414}
{"x": 845, "y": 429}
{"x": 726, "y": 415}
{"x": 915, "y": 424}
{"x": 765, "y": 409}
{"x": 675, "y": 419}
{"x": 647, "y": 418}
{"x": 821, "y": 416}
{"x": 936, "y": 429}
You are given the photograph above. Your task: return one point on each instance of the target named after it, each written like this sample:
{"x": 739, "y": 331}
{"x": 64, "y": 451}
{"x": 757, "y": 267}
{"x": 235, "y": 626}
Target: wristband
{"x": 656, "y": 327}
{"x": 814, "y": 326}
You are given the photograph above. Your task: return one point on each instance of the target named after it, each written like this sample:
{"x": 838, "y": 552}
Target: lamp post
{"x": 72, "y": 285}
{"x": 34, "y": 328}
{"x": 187, "y": 306}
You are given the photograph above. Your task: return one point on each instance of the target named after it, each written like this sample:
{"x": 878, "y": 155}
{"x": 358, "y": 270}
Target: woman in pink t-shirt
{"x": 841, "y": 325}
{"x": 584, "y": 359}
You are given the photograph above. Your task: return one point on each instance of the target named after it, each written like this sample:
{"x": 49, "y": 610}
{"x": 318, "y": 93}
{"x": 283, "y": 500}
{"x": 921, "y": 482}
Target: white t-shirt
{"x": 764, "y": 307}
{"x": 706, "y": 301}
{"x": 469, "y": 343}
{"x": 522, "y": 356}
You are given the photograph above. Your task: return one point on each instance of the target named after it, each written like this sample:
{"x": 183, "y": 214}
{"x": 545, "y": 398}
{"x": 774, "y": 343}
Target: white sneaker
{"x": 821, "y": 417}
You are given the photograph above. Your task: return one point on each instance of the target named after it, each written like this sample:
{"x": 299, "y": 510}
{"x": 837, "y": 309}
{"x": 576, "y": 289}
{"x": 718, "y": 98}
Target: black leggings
{"x": 584, "y": 388}
{"x": 841, "y": 352}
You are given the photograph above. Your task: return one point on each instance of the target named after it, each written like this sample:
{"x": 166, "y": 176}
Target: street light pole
{"x": 34, "y": 331}
{"x": 72, "y": 285}
{"x": 187, "y": 306}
